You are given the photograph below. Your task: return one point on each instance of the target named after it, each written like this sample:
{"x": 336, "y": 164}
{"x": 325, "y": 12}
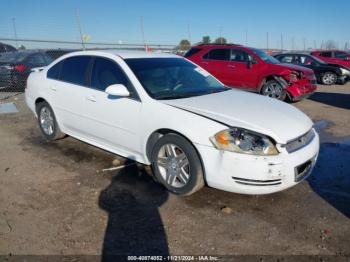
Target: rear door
{"x": 68, "y": 84}
{"x": 217, "y": 62}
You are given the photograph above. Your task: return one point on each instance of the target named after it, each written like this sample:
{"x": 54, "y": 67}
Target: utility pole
{"x": 281, "y": 42}
{"x": 293, "y": 43}
{"x": 15, "y": 31}
{"x": 220, "y": 34}
{"x": 246, "y": 37}
{"x": 80, "y": 30}
{"x": 143, "y": 34}
{"x": 267, "y": 41}
{"x": 315, "y": 45}
{"x": 304, "y": 43}
{"x": 189, "y": 33}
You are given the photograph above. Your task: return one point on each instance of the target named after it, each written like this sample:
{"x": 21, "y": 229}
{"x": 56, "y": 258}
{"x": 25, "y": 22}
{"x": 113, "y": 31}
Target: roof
{"x": 130, "y": 53}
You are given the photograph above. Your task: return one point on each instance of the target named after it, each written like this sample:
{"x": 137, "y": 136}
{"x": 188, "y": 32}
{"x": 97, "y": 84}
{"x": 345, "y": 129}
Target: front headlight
{"x": 344, "y": 71}
{"x": 243, "y": 141}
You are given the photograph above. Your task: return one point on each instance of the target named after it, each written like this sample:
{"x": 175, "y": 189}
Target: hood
{"x": 279, "y": 120}
{"x": 296, "y": 67}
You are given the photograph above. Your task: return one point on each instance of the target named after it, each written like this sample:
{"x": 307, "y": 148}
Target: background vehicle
{"x": 164, "y": 111}
{"x": 16, "y": 66}
{"x": 6, "y": 48}
{"x": 333, "y": 57}
{"x": 56, "y": 53}
{"x": 252, "y": 69}
{"x": 327, "y": 74}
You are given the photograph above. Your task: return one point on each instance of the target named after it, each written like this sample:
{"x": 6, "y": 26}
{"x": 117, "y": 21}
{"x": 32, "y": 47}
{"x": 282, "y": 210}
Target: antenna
{"x": 189, "y": 33}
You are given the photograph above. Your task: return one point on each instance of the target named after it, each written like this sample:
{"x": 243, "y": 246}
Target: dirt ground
{"x": 55, "y": 199}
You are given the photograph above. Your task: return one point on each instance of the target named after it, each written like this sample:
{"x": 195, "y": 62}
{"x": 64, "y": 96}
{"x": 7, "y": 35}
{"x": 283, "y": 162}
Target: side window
{"x": 218, "y": 54}
{"x": 305, "y": 60}
{"x": 36, "y": 59}
{"x": 340, "y": 55}
{"x": 286, "y": 59}
{"x": 74, "y": 70}
{"x": 238, "y": 56}
{"x": 54, "y": 71}
{"x": 106, "y": 72}
{"x": 326, "y": 54}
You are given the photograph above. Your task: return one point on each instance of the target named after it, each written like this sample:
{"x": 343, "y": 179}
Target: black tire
{"x": 195, "y": 170}
{"x": 56, "y": 132}
{"x": 329, "y": 78}
{"x": 266, "y": 90}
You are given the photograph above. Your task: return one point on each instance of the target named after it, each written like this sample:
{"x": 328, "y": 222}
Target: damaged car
{"x": 164, "y": 111}
{"x": 254, "y": 70}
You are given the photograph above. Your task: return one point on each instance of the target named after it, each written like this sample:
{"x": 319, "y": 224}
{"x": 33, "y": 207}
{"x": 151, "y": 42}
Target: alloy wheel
{"x": 173, "y": 165}
{"x": 47, "y": 121}
{"x": 273, "y": 89}
{"x": 329, "y": 78}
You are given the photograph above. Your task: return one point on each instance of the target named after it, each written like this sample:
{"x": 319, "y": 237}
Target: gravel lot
{"x": 55, "y": 199}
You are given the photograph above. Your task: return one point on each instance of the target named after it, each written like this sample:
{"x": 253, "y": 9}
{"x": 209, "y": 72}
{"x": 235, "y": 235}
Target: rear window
{"x": 54, "y": 72}
{"x": 12, "y": 57}
{"x": 326, "y": 54}
{"x": 192, "y": 52}
{"x": 74, "y": 70}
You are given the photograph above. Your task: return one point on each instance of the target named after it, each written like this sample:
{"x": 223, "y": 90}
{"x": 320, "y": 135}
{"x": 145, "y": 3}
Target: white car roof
{"x": 128, "y": 53}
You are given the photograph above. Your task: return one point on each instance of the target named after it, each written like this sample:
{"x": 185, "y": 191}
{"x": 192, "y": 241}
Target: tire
{"x": 329, "y": 78}
{"x": 273, "y": 89}
{"x": 177, "y": 165}
{"x": 50, "y": 128}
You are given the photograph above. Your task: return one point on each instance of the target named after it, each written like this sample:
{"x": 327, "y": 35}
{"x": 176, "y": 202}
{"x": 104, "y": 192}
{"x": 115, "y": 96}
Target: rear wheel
{"x": 329, "y": 78}
{"x": 47, "y": 122}
{"x": 176, "y": 164}
{"x": 273, "y": 89}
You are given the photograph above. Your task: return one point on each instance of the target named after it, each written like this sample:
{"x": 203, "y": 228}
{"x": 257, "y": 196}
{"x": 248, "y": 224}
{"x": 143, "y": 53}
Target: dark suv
{"x": 6, "y": 48}
{"x": 252, "y": 69}
{"x": 327, "y": 74}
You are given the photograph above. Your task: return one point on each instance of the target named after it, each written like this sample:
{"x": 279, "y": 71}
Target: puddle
{"x": 8, "y": 108}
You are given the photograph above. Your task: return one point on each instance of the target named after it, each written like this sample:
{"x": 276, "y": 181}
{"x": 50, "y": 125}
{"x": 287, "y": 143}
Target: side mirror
{"x": 346, "y": 59}
{"x": 117, "y": 90}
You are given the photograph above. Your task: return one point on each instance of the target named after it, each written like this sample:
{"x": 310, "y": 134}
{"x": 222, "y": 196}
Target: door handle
{"x": 91, "y": 98}
{"x": 53, "y": 88}
{"x": 231, "y": 66}
{"x": 204, "y": 63}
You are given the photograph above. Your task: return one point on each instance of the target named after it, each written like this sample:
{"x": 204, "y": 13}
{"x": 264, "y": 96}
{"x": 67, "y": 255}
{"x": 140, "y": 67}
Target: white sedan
{"x": 162, "y": 110}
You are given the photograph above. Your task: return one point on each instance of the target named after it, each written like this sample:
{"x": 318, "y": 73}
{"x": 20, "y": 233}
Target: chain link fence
{"x": 19, "y": 56}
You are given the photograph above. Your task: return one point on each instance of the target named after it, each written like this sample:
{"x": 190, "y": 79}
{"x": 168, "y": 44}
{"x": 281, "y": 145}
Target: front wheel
{"x": 273, "y": 89}
{"x": 329, "y": 78}
{"x": 176, "y": 164}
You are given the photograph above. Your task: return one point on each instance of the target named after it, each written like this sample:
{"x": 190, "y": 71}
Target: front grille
{"x": 303, "y": 171}
{"x": 300, "y": 141}
{"x": 252, "y": 182}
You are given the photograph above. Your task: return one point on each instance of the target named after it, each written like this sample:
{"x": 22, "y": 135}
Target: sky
{"x": 169, "y": 21}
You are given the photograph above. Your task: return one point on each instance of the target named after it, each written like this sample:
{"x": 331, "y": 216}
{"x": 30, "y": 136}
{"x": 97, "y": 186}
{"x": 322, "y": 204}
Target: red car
{"x": 333, "y": 57}
{"x": 254, "y": 70}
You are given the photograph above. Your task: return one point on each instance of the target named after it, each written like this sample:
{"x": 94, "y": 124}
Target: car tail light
{"x": 20, "y": 68}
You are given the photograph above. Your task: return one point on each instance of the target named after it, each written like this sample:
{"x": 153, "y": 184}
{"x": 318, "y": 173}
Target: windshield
{"x": 318, "y": 60}
{"x": 171, "y": 78}
{"x": 12, "y": 57}
{"x": 265, "y": 57}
